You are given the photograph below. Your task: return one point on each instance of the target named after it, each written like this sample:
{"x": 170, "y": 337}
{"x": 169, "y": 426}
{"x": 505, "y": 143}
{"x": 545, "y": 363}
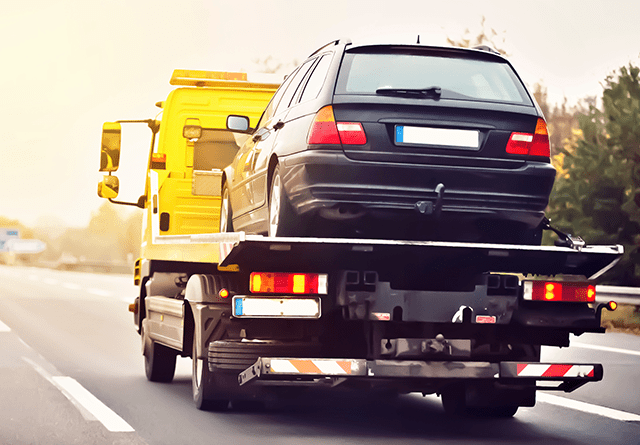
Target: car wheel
{"x": 226, "y": 215}
{"x": 159, "y": 360}
{"x": 204, "y": 384}
{"x": 283, "y": 220}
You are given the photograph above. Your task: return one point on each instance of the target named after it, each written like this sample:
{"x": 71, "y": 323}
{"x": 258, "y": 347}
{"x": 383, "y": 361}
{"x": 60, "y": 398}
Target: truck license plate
{"x": 256, "y": 307}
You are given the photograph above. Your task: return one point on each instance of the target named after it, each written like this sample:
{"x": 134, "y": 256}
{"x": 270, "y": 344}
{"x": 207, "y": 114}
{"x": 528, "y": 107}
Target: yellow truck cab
{"x": 190, "y": 147}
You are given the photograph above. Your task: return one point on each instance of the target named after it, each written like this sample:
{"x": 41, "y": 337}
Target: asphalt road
{"x": 71, "y": 371}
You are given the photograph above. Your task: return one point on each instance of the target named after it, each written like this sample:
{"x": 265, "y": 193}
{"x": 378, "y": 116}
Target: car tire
{"x": 204, "y": 383}
{"x": 226, "y": 214}
{"x": 283, "y": 220}
{"x": 159, "y": 360}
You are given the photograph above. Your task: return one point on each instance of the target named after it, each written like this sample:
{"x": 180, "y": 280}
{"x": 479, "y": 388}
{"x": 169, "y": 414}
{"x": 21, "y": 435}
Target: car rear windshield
{"x": 455, "y": 75}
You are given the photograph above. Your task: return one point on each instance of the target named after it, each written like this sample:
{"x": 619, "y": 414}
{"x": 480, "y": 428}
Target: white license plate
{"x": 262, "y": 307}
{"x": 465, "y": 139}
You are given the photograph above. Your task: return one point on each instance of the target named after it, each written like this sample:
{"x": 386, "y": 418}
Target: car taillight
{"x": 325, "y": 130}
{"x": 288, "y": 283}
{"x": 536, "y": 144}
{"x": 577, "y": 292}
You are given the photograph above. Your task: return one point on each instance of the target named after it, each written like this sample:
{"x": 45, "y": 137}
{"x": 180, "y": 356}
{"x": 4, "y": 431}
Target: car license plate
{"x": 262, "y": 307}
{"x": 445, "y": 137}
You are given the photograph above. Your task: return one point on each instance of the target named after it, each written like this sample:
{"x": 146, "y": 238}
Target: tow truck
{"x": 262, "y": 315}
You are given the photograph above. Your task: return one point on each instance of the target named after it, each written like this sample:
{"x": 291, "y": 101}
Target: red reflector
{"x": 288, "y": 283}
{"x": 536, "y": 144}
{"x": 324, "y": 129}
{"x": 486, "y": 319}
{"x": 159, "y": 157}
{"x": 559, "y": 291}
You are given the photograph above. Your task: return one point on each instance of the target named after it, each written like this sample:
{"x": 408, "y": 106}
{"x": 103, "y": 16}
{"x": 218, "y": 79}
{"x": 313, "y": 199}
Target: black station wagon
{"x": 394, "y": 141}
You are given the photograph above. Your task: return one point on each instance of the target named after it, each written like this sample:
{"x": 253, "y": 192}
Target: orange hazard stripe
{"x": 305, "y": 366}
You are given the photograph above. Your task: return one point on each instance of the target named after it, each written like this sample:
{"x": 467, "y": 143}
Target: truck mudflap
{"x": 277, "y": 371}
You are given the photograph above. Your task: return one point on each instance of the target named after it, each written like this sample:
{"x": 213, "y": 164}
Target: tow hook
{"x": 432, "y": 208}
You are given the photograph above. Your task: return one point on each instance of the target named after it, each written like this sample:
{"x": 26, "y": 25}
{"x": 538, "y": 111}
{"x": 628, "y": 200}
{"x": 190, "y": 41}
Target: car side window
{"x": 270, "y": 110}
{"x": 293, "y": 86}
{"x": 316, "y": 80}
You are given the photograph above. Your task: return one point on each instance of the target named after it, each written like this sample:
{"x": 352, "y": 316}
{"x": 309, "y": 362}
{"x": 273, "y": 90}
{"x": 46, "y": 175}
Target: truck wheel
{"x": 283, "y": 220}
{"x": 455, "y": 404}
{"x": 226, "y": 215}
{"x": 204, "y": 385}
{"x": 159, "y": 360}
{"x": 235, "y": 356}
{"x": 454, "y": 401}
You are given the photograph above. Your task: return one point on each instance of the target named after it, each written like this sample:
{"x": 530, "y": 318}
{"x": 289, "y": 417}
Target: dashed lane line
{"x": 99, "y": 292}
{"x": 4, "y": 327}
{"x": 71, "y": 286}
{"x": 89, "y": 405}
{"x": 605, "y": 348}
{"x": 576, "y": 405}
{"x": 587, "y": 407}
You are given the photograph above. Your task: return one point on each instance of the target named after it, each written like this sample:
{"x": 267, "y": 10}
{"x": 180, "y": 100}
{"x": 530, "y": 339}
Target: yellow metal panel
{"x": 189, "y": 213}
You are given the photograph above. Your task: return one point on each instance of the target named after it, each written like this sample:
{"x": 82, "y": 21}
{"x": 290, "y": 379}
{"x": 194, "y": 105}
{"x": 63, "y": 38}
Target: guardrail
{"x": 619, "y": 294}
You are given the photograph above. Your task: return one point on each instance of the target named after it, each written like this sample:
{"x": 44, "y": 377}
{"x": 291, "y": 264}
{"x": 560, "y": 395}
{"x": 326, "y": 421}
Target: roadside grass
{"x": 626, "y": 318}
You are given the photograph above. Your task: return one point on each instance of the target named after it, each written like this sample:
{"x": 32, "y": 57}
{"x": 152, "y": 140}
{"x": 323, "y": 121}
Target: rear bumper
{"x": 277, "y": 371}
{"x": 319, "y": 180}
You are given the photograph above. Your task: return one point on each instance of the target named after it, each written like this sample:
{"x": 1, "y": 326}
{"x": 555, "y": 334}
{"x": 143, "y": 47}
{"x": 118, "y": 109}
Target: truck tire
{"x": 237, "y": 355}
{"x": 159, "y": 360}
{"x": 455, "y": 404}
{"x": 205, "y": 387}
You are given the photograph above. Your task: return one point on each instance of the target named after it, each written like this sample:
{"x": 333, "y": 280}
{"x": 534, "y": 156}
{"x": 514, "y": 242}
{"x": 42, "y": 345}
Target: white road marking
{"x": 99, "y": 292}
{"x": 576, "y": 405}
{"x": 71, "y": 286}
{"x": 587, "y": 407}
{"x": 4, "y": 327}
{"x": 605, "y": 348}
{"x": 89, "y": 405}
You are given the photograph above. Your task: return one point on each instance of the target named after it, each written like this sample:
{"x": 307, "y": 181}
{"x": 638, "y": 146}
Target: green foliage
{"x": 597, "y": 192}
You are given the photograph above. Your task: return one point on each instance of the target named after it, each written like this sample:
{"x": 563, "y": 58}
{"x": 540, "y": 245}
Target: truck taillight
{"x": 536, "y": 144}
{"x": 288, "y": 283}
{"x": 567, "y": 291}
{"x": 325, "y": 130}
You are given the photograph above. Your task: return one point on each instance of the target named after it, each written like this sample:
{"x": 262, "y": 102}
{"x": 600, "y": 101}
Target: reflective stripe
{"x": 309, "y": 366}
{"x": 554, "y": 370}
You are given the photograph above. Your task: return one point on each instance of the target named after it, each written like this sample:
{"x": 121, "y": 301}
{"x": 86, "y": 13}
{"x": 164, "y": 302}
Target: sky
{"x": 70, "y": 65}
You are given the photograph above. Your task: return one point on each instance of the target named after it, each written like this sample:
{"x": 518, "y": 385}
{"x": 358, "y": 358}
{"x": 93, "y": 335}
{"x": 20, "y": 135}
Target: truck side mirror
{"x": 109, "y": 186}
{"x": 110, "y": 151}
{"x": 238, "y": 124}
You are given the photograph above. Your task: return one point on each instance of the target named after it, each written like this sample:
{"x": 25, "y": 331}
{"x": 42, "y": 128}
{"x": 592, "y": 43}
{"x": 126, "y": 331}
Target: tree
{"x": 597, "y": 191}
{"x": 486, "y": 36}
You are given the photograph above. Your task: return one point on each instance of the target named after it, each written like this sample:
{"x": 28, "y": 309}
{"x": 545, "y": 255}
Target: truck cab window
{"x": 215, "y": 149}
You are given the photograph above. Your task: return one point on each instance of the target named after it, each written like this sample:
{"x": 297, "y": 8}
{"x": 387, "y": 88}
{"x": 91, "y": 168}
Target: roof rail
{"x": 486, "y": 48}
{"x": 332, "y": 43}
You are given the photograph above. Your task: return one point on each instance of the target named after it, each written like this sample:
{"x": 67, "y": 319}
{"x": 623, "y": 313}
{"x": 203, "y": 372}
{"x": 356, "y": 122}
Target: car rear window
{"x": 458, "y": 77}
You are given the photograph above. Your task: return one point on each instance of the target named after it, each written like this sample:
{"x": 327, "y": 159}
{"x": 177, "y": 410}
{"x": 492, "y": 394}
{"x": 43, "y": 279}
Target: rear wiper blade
{"x": 427, "y": 93}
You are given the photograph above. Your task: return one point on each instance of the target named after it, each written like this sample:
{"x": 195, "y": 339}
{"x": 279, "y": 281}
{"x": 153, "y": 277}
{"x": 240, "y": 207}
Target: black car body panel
{"x": 434, "y": 164}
